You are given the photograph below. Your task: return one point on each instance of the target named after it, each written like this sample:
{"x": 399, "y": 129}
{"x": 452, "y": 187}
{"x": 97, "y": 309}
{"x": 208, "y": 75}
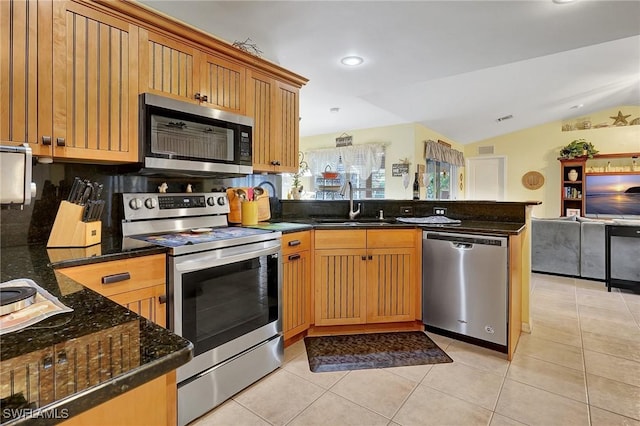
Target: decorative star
{"x": 620, "y": 120}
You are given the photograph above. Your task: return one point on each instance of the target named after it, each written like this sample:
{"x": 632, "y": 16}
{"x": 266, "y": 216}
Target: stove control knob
{"x": 211, "y": 201}
{"x": 135, "y": 203}
{"x": 222, "y": 201}
{"x": 150, "y": 203}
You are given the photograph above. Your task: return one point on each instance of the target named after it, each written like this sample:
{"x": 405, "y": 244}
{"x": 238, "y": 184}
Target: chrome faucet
{"x": 352, "y": 213}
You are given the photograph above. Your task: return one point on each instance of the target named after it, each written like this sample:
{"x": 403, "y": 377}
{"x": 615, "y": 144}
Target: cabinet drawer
{"x": 387, "y": 238}
{"x": 335, "y": 239}
{"x": 296, "y": 242}
{"x": 144, "y": 271}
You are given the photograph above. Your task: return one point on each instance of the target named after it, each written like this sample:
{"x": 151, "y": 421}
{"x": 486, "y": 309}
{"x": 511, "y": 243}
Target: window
{"x": 363, "y": 165}
{"x": 441, "y": 180}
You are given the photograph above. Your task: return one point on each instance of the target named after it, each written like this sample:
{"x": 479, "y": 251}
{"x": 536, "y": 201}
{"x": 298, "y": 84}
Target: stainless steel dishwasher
{"x": 464, "y": 287}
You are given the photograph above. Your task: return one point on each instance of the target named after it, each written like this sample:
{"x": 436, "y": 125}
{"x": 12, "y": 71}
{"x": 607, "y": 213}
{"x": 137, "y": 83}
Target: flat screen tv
{"x": 613, "y": 194}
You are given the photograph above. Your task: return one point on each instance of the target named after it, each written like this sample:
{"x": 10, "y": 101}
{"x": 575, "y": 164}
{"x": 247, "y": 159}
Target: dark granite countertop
{"x": 144, "y": 350}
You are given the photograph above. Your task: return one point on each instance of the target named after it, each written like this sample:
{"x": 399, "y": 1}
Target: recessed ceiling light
{"x": 334, "y": 110}
{"x": 577, "y": 106}
{"x": 563, "y": 1}
{"x": 506, "y": 117}
{"x": 352, "y": 61}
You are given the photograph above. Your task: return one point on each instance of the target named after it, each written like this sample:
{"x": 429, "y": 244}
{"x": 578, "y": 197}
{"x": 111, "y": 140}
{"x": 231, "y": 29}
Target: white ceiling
{"x": 453, "y": 66}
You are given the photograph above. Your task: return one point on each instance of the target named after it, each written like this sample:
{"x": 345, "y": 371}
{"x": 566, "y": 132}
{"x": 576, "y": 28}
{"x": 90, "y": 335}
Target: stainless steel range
{"x": 224, "y": 287}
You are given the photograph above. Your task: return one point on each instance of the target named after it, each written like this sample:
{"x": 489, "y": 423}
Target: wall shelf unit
{"x": 573, "y": 191}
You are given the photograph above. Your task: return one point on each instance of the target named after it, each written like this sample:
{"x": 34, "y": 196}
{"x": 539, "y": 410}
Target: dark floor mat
{"x": 374, "y": 350}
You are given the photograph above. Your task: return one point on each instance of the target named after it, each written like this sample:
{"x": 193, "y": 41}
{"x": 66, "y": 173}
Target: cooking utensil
{"x": 241, "y": 193}
{"x": 257, "y": 192}
{"x": 86, "y": 194}
{"x": 15, "y": 298}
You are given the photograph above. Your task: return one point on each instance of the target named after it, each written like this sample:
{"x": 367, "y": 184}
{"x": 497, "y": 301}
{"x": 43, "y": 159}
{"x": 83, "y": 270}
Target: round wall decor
{"x": 533, "y": 180}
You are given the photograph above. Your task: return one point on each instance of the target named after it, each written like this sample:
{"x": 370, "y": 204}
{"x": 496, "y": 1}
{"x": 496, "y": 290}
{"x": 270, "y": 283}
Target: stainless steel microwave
{"x": 181, "y": 137}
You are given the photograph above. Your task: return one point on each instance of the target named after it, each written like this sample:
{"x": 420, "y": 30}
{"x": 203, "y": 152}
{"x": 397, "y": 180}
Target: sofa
{"x": 575, "y": 246}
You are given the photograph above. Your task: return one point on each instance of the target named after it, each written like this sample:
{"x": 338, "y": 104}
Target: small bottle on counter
{"x": 416, "y": 188}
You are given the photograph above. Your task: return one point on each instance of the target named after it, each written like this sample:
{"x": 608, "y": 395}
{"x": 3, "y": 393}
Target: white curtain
{"x": 361, "y": 159}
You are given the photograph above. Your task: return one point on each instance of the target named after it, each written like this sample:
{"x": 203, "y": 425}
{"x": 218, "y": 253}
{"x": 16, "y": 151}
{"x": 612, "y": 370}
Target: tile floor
{"x": 579, "y": 366}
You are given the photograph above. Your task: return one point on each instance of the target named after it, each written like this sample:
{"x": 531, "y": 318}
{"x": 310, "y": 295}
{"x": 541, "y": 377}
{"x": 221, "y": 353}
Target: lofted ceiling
{"x": 452, "y": 66}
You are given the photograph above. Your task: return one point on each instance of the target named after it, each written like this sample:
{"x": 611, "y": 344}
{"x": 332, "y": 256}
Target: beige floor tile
{"x": 558, "y": 280}
{"x": 617, "y": 346}
{"x": 331, "y": 409}
{"x": 300, "y": 367}
{"x": 614, "y": 396}
{"x": 601, "y": 417}
{"x": 612, "y": 367}
{"x": 378, "y": 390}
{"x": 548, "y": 376}
{"x": 611, "y": 328}
{"x": 557, "y": 353}
{"x": 500, "y": 420}
{"x": 462, "y": 381}
{"x": 534, "y": 406}
{"x": 427, "y": 406}
{"x": 601, "y": 300}
{"x": 582, "y": 285}
{"x": 481, "y": 358}
{"x": 279, "y": 397}
{"x": 555, "y": 335}
{"x": 230, "y": 413}
{"x": 294, "y": 350}
{"x": 441, "y": 341}
{"x": 621, "y": 315}
{"x": 570, "y": 326}
{"x": 414, "y": 373}
{"x": 556, "y": 287}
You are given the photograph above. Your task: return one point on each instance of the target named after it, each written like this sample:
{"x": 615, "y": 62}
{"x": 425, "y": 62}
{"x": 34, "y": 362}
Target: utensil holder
{"x": 70, "y": 231}
{"x": 249, "y": 213}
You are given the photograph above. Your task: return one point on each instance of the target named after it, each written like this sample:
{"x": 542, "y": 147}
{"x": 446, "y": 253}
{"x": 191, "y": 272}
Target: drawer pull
{"x": 162, "y": 299}
{"x": 110, "y": 279}
{"x": 47, "y": 362}
{"x": 46, "y": 140}
{"x": 294, "y": 256}
{"x": 294, "y": 243}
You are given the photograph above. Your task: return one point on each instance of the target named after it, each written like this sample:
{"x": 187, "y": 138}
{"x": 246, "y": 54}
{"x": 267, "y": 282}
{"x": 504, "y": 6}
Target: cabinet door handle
{"x": 364, "y": 257}
{"x": 62, "y": 357}
{"x": 201, "y": 98}
{"x": 60, "y": 142}
{"x": 162, "y": 299}
{"x": 294, "y": 256}
{"x": 294, "y": 243}
{"x": 370, "y": 257}
{"x": 46, "y": 140}
{"x": 275, "y": 163}
{"x": 110, "y": 279}
{"x": 47, "y": 362}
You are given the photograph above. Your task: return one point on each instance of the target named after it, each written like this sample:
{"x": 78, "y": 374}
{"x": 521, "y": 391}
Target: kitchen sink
{"x": 355, "y": 222}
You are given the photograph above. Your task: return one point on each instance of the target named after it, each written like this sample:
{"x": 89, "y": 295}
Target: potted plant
{"x": 296, "y": 185}
{"x": 578, "y": 148}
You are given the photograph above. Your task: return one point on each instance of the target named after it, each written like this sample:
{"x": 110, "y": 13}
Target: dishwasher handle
{"x": 466, "y": 241}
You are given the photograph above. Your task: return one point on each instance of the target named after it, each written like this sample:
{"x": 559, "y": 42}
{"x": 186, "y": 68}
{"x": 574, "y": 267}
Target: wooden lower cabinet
{"x": 141, "y": 286}
{"x": 296, "y": 283}
{"x": 365, "y": 276}
{"x": 150, "y": 404}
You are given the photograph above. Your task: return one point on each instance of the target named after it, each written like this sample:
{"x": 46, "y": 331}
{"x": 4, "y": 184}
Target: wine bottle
{"x": 416, "y": 188}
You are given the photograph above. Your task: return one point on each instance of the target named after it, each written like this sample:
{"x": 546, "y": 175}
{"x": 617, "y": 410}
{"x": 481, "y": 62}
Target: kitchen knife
{"x": 86, "y": 194}
{"x": 74, "y": 189}
{"x": 97, "y": 190}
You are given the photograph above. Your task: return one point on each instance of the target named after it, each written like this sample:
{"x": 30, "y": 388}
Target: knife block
{"x": 70, "y": 231}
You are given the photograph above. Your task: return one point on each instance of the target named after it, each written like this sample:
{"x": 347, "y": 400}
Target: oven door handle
{"x": 206, "y": 260}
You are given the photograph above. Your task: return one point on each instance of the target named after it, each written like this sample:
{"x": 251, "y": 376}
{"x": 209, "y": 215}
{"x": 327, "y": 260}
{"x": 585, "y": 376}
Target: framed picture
{"x": 573, "y": 212}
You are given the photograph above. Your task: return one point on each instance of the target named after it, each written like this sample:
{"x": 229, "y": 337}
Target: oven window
{"x": 225, "y": 302}
{"x": 186, "y": 139}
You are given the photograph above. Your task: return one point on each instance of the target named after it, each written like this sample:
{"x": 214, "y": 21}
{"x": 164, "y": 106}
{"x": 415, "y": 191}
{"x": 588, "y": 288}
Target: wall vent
{"x": 485, "y": 149}
{"x": 506, "y": 117}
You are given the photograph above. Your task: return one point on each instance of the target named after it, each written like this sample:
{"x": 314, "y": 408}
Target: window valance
{"x": 435, "y": 151}
{"x": 362, "y": 159}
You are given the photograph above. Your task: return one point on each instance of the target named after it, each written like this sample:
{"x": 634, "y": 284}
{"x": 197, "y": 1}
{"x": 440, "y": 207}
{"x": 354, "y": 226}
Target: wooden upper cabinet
{"x": 222, "y": 84}
{"x": 287, "y": 138}
{"x": 95, "y": 85}
{"x": 167, "y": 66}
{"x": 274, "y": 106}
{"x": 26, "y": 115}
{"x": 175, "y": 69}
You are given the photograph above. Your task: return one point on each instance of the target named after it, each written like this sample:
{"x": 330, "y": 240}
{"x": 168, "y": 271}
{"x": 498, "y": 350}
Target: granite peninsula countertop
{"x": 140, "y": 350}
